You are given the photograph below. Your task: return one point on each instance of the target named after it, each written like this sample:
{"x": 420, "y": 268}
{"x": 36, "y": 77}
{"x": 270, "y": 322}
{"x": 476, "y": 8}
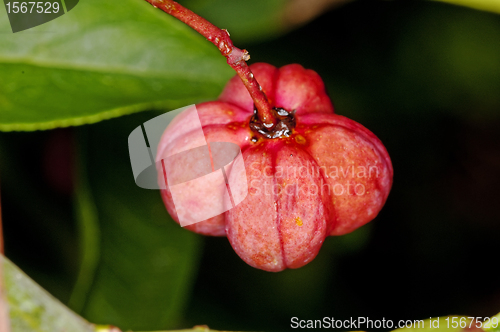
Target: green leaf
{"x": 487, "y": 5}
{"x": 147, "y": 262}
{"x": 101, "y": 60}
{"x": 32, "y": 309}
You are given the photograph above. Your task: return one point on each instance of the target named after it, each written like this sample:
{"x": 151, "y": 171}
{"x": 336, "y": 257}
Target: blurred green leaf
{"x": 32, "y": 309}
{"x": 101, "y": 60}
{"x": 246, "y": 20}
{"x": 493, "y": 325}
{"x": 488, "y": 5}
{"x": 88, "y": 228}
{"x": 448, "y": 58}
{"x": 147, "y": 262}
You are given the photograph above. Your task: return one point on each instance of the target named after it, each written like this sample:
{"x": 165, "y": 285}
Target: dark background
{"x": 425, "y": 78}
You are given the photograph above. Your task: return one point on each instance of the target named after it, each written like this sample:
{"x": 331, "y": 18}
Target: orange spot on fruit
{"x": 298, "y": 221}
{"x": 300, "y": 139}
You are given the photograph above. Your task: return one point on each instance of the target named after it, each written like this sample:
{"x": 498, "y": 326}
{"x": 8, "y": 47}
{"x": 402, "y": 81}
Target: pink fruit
{"x": 314, "y": 174}
{"x": 308, "y": 172}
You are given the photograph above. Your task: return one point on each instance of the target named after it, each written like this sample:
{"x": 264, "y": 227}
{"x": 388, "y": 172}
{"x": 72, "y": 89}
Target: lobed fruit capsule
{"x": 312, "y": 175}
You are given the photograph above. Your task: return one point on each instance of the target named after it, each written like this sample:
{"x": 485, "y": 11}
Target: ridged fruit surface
{"x": 327, "y": 175}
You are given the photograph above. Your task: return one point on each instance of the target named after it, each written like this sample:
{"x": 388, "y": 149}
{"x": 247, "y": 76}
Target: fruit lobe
{"x": 328, "y": 176}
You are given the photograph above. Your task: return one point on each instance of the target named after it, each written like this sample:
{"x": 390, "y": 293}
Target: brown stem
{"x": 236, "y": 58}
